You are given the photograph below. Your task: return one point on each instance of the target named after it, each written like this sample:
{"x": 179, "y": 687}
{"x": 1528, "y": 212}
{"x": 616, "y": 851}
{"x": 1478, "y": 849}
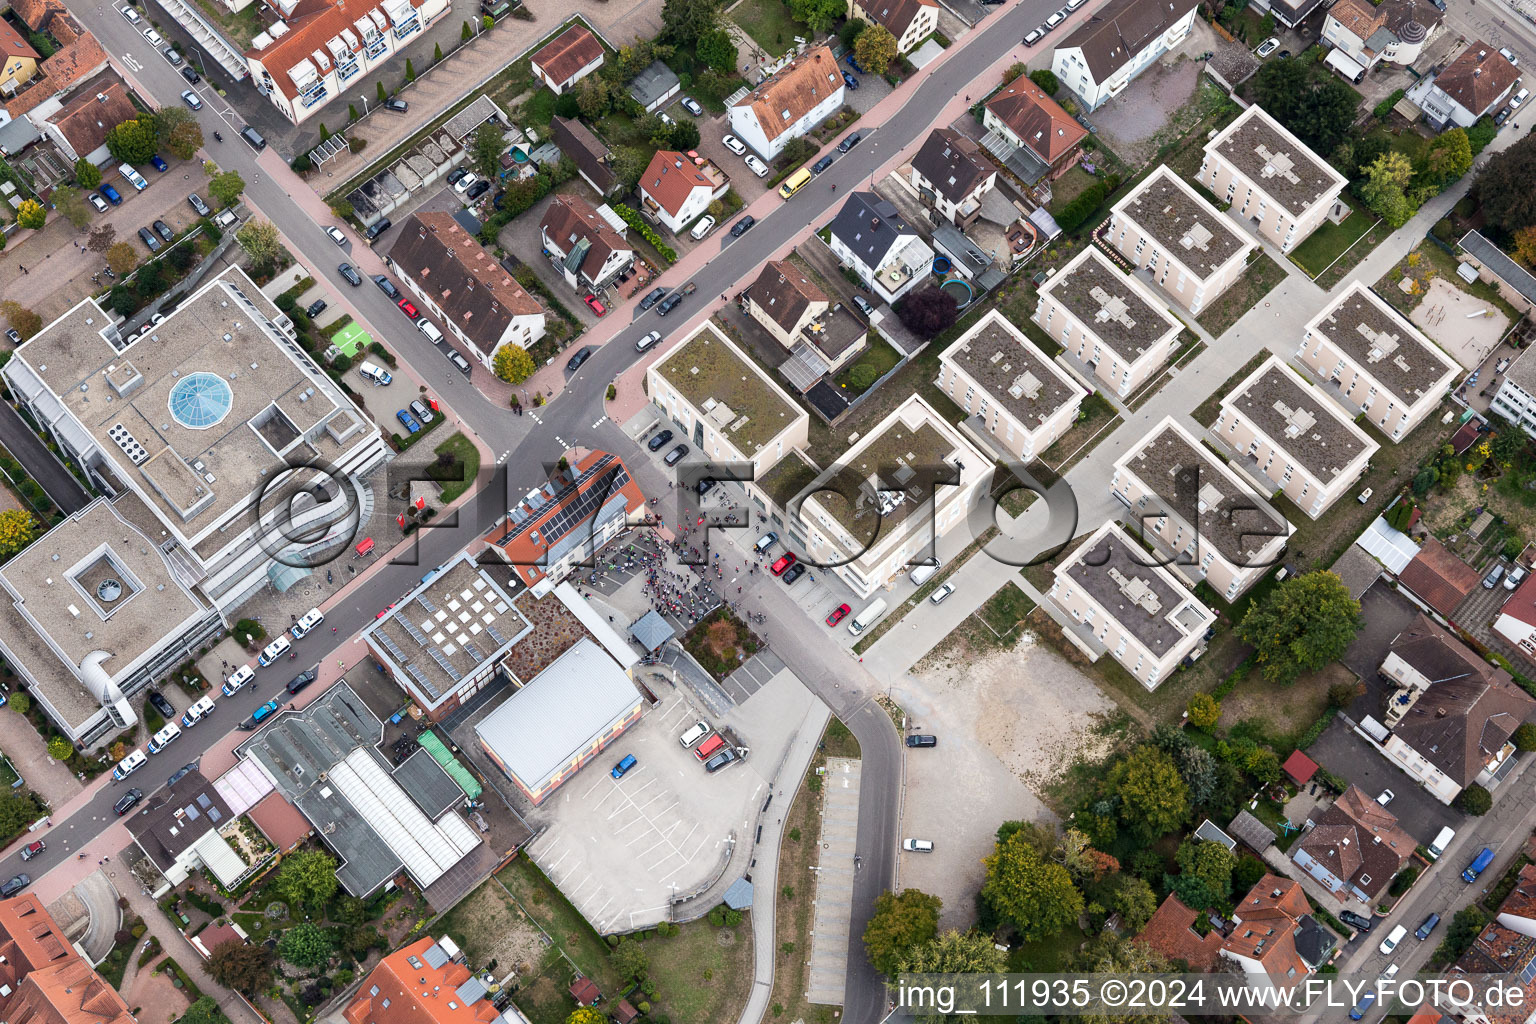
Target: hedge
{"x": 634, "y": 220}
{"x": 1382, "y": 109}
{"x": 1080, "y": 209}
{"x": 1227, "y": 685}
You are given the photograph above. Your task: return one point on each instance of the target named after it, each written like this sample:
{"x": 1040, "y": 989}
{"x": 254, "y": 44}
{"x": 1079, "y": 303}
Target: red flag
{"x": 401, "y": 519}
{"x": 421, "y": 503}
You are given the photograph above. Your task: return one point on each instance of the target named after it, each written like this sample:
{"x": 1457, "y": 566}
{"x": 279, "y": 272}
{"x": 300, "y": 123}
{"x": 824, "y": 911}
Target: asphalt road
{"x": 577, "y": 417}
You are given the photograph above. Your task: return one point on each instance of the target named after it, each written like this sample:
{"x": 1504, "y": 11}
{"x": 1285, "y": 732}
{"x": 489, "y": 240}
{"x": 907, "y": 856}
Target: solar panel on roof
{"x": 411, "y": 628}
{"x": 474, "y": 652}
{"x": 390, "y": 645}
{"x": 561, "y": 523}
{"x": 426, "y": 684}
{"x": 1528, "y": 973}
{"x": 444, "y": 664}
{"x": 495, "y": 634}
{"x": 428, "y": 605}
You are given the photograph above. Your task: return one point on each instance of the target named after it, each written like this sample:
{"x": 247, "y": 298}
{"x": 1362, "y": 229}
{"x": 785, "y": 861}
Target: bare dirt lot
{"x": 1448, "y": 315}
{"x": 488, "y": 926}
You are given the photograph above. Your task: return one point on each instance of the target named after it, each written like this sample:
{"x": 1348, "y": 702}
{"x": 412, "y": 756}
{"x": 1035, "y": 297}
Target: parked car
{"x": 822, "y": 164}
{"x": 1054, "y": 20}
{"x": 647, "y": 341}
{"x": 33, "y": 849}
{"x": 651, "y": 298}
{"x": 458, "y": 360}
{"x": 793, "y": 573}
{"x": 198, "y": 206}
{"x": 838, "y": 614}
{"x": 181, "y": 773}
{"x": 153, "y": 37}
{"x": 335, "y": 234}
{"x": 720, "y": 760}
{"x": 734, "y": 144}
{"x": 1387, "y": 796}
{"x": 782, "y": 563}
{"x": 420, "y": 410}
{"x": 1492, "y": 579}
{"x": 676, "y": 454}
{"x": 463, "y": 184}
{"x": 692, "y": 106}
{"x": 756, "y": 166}
{"x": 98, "y": 202}
{"x": 940, "y": 595}
{"x": 148, "y": 238}
{"x": 1267, "y": 47}
{"x": 349, "y": 272}
{"x": 852, "y": 62}
{"x": 128, "y": 801}
{"x": 172, "y": 56}
{"x": 850, "y": 81}
{"x": 1363, "y": 1006}
{"x": 111, "y": 194}
{"x": 386, "y": 286}
{"x": 15, "y": 884}
{"x": 669, "y": 303}
{"x": 865, "y": 306}
{"x": 477, "y": 190}
{"x": 849, "y": 142}
{"x": 595, "y": 304}
{"x": 457, "y": 174}
{"x": 622, "y": 768}
{"x": 1359, "y": 922}
{"x": 922, "y": 740}
{"x": 656, "y": 443}
{"x": 742, "y": 226}
{"x": 1429, "y": 924}
{"x": 409, "y": 309}
{"x": 301, "y": 680}
{"x": 190, "y": 75}
{"x": 574, "y": 363}
{"x": 315, "y": 308}
{"x": 1512, "y": 580}
{"x": 917, "y": 845}
{"x": 398, "y": 106}
{"x": 1034, "y": 36}
{"x": 14, "y": 335}
{"x": 191, "y": 99}
{"x": 378, "y": 228}
{"x": 164, "y": 230}
{"x": 159, "y": 703}
{"x": 408, "y": 422}
{"x": 705, "y": 225}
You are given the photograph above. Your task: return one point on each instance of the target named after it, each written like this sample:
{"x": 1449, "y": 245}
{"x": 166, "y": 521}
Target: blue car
{"x": 850, "y": 81}
{"x": 160, "y": 165}
{"x": 1362, "y": 1006}
{"x": 623, "y": 766}
{"x": 408, "y": 422}
{"x": 848, "y": 59}
{"x": 110, "y": 195}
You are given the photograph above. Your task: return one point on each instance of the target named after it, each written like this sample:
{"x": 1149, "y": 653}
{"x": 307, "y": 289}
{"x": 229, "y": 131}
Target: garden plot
{"x": 1451, "y": 317}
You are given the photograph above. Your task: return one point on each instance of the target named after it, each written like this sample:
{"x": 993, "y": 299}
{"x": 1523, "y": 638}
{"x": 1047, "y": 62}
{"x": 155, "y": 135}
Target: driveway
{"x": 1341, "y": 750}
{"x": 41, "y": 464}
{"x": 521, "y": 238}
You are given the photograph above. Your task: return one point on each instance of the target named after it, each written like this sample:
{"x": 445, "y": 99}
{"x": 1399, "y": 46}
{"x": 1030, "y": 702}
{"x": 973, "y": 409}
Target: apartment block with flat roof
{"x": 1373, "y": 360}
{"x": 1289, "y": 435}
{"x": 1196, "y": 510}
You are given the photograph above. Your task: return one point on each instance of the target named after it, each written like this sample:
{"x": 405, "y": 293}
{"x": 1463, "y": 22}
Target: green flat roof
{"x": 743, "y": 406}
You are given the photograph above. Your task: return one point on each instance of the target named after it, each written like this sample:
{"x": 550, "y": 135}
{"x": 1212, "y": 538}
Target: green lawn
{"x": 1258, "y": 280}
{"x": 1325, "y": 245}
{"x": 769, "y": 24}
{"x": 1048, "y": 954}
{"x": 880, "y": 356}
{"x": 1095, "y": 418}
{"x": 1068, "y": 187}
{"x": 464, "y": 450}
{"x": 1005, "y": 610}
{"x": 703, "y": 973}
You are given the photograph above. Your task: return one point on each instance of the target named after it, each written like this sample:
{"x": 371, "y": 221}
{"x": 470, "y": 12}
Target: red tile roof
{"x": 671, "y": 178}
{"x": 1522, "y": 603}
{"x": 310, "y": 27}
{"x": 280, "y": 821}
{"x": 411, "y": 991}
{"x": 1477, "y": 78}
{"x": 782, "y": 99}
{"x": 79, "y": 57}
{"x": 1036, "y": 119}
{"x": 1439, "y": 577}
{"x": 12, "y": 44}
{"x": 94, "y": 111}
{"x": 1170, "y": 932}
{"x": 1268, "y": 919}
{"x": 44, "y": 980}
{"x": 585, "y": 991}
{"x": 34, "y": 12}
{"x": 568, "y": 53}
{"x": 1300, "y": 767}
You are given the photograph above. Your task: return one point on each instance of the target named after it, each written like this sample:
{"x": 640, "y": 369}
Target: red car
{"x": 837, "y": 614}
{"x": 597, "y": 307}
{"x": 409, "y": 309}
{"x": 785, "y": 561}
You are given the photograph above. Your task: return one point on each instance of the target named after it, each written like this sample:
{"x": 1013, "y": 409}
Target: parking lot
{"x": 1342, "y": 751}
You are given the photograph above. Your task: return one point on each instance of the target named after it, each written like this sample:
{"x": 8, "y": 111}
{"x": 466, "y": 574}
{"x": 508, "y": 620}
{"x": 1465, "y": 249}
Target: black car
{"x": 455, "y": 174}
{"x": 181, "y": 773}
{"x": 918, "y": 740}
{"x": 301, "y": 680}
{"x": 793, "y": 573}
{"x": 398, "y": 106}
{"x": 742, "y": 226}
{"x": 15, "y": 885}
{"x": 190, "y": 75}
{"x": 848, "y": 143}
{"x": 315, "y": 308}
{"x": 478, "y": 189}
{"x": 653, "y": 297}
{"x": 675, "y": 455}
{"x": 656, "y": 443}
{"x": 378, "y": 229}
{"x": 159, "y": 703}
{"x": 387, "y": 286}
{"x": 148, "y": 238}
{"x": 704, "y": 485}
{"x": 1355, "y": 921}
{"x": 720, "y": 760}
{"x": 669, "y": 303}
{"x": 128, "y": 801}
{"x": 349, "y": 272}
{"x": 574, "y": 363}
{"x": 822, "y": 164}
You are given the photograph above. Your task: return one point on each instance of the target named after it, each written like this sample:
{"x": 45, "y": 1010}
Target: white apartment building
{"x": 910, "y": 21}
{"x": 1119, "y": 41}
{"x": 786, "y": 105}
{"x": 1516, "y": 398}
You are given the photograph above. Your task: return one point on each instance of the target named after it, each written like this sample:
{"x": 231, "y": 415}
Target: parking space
{"x": 1345, "y": 753}
{"x": 1481, "y": 607}
{"x": 837, "y": 865}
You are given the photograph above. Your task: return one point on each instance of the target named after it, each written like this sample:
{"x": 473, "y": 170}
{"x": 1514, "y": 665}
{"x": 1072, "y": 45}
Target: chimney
{"x": 1439, "y": 712}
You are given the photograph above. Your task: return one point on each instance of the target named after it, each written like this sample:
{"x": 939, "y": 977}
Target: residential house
{"x": 1515, "y": 399}
{"x": 910, "y": 21}
{"x": 1354, "y": 848}
{"x": 724, "y": 405}
{"x": 788, "y": 103}
{"x": 78, "y": 57}
{"x": 799, "y": 316}
{"x": 426, "y": 982}
{"x": 1171, "y": 932}
{"x": 1394, "y": 31}
{"x": 1127, "y": 604}
{"x": 1374, "y": 361}
{"x": 1281, "y": 189}
{"x": 952, "y": 175}
{"x": 18, "y": 61}
{"x": 1020, "y": 400}
{"x": 183, "y": 828}
{"x": 1117, "y": 42}
{"x": 463, "y": 286}
{"x": 588, "y": 244}
{"x": 43, "y": 979}
{"x": 1472, "y": 85}
{"x": 904, "y": 484}
{"x": 326, "y": 44}
{"x": 1273, "y": 932}
{"x": 1197, "y": 511}
{"x": 1501, "y": 959}
{"x": 655, "y": 87}
{"x": 1289, "y": 13}
{"x": 1516, "y": 621}
{"x": 1033, "y": 123}
{"x": 1440, "y": 579}
{"x": 675, "y": 190}
{"x": 593, "y": 159}
{"x": 1110, "y": 322}
{"x": 79, "y": 127}
{"x": 1290, "y": 436}
{"x": 1168, "y": 231}
{"x": 870, "y": 237}
{"x": 1453, "y": 714}
{"x": 567, "y": 59}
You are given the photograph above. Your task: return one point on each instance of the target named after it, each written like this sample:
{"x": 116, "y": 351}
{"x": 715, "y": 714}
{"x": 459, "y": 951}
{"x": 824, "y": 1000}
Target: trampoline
{"x": 200, "y": 400}
{"x": 960, "y": 290}
{"x": 941, "y": 265}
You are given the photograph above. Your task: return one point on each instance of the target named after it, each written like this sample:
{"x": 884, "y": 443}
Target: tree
{"x": 26, "y": 323}
{"x": 900, "y": 922}
{"x": 307, "y": 878}
{"x": 1301, "y": 625}
{"x": 260, "y": 240}
{"x": 133, "y": 142}
{"x": 1474, "y": 800}
{"x": 1504, "y": 186}
{"x": 1248, "y": 872}
{"x": 513, "y": 364}
{"x": 465, "y": 33}
{"x": 594, "y": 98}
{"x": 1384, "y": 188}
{"x": 863, "y": 375}
{"x": 875, "y": 50}
{"x": 1046, "y": 80}
{"x": 121, "y": 258}
{"x": 818, "y": 15}
{"x": 1320, "y": 111}
{"x": 1111, "y": 954}
{"x": 954, "y": 953}
{"x": 186, "y": 140}
{"x": 60, "y": 749}
{"x": 485, "y": 150}
{"x": 629, "y": 959}
{"x": 684, "y": 135}
{"x": 928, "y": 311}
{"x": 31, "y": 214}
{"x": 1204, "y": 711}
{"x": 240, "y": 965}
{"x": 716, "y": 49}
{"x": 87, "y": 174}
{"x": 586, "y": 1015}
{"x": 437, "y": 53}
{"x": 1212, "y": 862}
{"x": 684, "y": 21}
{"x": 21, "y": 704}
{"x": 1525, "y": 736}
{"x": 71, "y": 203}
{"x": 1449, "y": 157}
{"x": 1036, "y": 895}
{"x": 305, "y": 945}
{"x": 629, "y": 163}
{"x": 1152, "y": 794}
{"x": 226, "y": 187}
{"x": 410, "y": 71}
{"x": 1200, "y": 773}
{"x": 168, "y": 119}
{"x": 1135, "y": 902}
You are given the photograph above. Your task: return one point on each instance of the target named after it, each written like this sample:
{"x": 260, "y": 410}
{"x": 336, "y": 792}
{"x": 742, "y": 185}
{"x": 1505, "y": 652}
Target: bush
{"x": 1046, "y": 80}
{"x": 249, "y": 631}
{"x": 862, "y": 376}
{"x": 634, "y": 220}
{"x": 1080, "y": 209}
{"x": 207, "y": 904}
{"x": 1524, "y": 737}
{"x": 1382, "y": 109}
{"x": 1405, "y": 878}
{"x": 21, "y": 703}
{"x": 1474, "y": 800}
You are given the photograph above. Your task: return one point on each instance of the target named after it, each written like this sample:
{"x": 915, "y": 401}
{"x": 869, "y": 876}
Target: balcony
{"x": 314, "y": 94}
{"x": 408, "y": 27}
{"x": 376, "y": 46}
{"x": 345, "y": 72}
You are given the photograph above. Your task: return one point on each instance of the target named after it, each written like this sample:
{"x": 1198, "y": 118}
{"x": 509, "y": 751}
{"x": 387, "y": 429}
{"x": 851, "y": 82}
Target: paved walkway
{"x": 172, "y": 942}
{"x": 41, "y": 464}
{"x": 835, "y": 869}
{"x": 28, "y": 752}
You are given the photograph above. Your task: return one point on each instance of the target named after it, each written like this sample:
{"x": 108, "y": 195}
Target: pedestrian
{"x": 24, "y": 270}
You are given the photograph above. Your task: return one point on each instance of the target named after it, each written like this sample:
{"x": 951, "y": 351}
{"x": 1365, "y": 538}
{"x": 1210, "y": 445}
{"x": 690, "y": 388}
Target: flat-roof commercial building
{"x": 1372, "y": 359}
{"x": 1281, "y": 188}
{"x": 1196, "y": 509}
{"x": 210, "y": 416}
{"x": 728, "y": 409}
{"x": 1111, "y": 322}
{"x": 1135, "y": 609}
{"x": 907, "y": 482}
{"x": 1167, "y": 229}
{"x": 1291, "y": 435}
{"x": 560, "y": 719}
{"x": 1019, "y": 398}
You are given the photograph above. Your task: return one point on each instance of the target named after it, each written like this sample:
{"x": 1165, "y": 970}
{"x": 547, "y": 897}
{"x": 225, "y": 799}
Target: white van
{"x": 1442, "y": 840}
{"x": 308, "y": 621}
{"x": 200, "y": 709}
{"x": 867, "y": 617}
{"x": 133, "y": 177}
{"x": 429, "y": 329}
{"x": 274, "y": 650}
{"x": 1389, "y": 943}
{"x": 163, "y": 738}
{"x": 922, "y": 574}
{"x": 130, "y": 764}
{"x": 917, "y": 845}
{"x": 695, "y": 732}
{"x": 238, "y": 678}
{"x": 374, "y": 373}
